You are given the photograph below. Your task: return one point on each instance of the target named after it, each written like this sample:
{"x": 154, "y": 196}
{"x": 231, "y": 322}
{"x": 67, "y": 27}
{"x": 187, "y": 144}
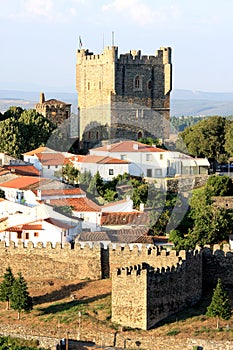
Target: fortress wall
{"x": 217, "y": 263}
{"x": 143, "y": 295}
{"x": 48, "y": 262}
{"x": 154, "y": 256}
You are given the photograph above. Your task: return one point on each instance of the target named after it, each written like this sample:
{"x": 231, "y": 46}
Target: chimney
{"x": 135, "y": 146}
{"x": 42, "y": 99}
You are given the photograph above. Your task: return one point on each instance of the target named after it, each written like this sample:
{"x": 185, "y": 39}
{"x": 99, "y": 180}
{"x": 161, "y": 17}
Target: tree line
{"x": 14, "y": 291}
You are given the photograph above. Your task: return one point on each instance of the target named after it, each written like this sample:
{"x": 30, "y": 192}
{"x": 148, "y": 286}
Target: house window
{"x": 158, "y": 172}
{"x": 56, "y": 166}
{"x": 19, "y": 235}
{"x": 111, "y": 172}
{"x": 36, "y": 234}
{"x": 149, "y": 172}
{"x": 27, "y": 235}
{"x": 148, "y": 157}
{"x": 161, "y": 156}
{"x": 139, "y": 134}
{"x": 65, "y": 234}
{"x": 48, "y": 166}
{"x": 123, "y": 157}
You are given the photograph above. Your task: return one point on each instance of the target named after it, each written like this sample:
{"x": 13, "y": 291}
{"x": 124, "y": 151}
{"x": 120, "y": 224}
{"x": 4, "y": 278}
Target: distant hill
{"x": 187, "y": 102}
{"x": 183, "y": 102}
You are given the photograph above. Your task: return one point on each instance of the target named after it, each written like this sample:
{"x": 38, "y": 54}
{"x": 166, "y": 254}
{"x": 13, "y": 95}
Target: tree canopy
{"x": 23, "y": 131}
{"x": 6, "y": 287}
{"x": 206, "y": 138}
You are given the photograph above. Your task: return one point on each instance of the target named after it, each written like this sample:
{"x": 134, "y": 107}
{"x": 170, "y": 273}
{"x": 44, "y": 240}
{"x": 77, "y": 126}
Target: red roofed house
{"x": 151, "y": 161}
{"x": 47, "y": 161}
{"x": 108, "y": 167}
{"x": 45, "y": 230}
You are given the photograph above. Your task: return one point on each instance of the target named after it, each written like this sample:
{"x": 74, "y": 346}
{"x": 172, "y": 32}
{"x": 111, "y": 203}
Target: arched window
{"x": 149, "y": 85}
{"x": 137, "y": 82}
{"x": 97, "y": 135}
{"x": 139, "y": 134}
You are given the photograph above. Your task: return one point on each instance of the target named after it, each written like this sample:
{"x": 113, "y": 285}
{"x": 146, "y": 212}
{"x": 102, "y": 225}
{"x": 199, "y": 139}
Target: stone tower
{"x": 126, "y": 96}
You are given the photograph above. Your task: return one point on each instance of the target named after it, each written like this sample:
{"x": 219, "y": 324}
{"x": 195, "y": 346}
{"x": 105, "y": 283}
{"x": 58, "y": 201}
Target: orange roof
{"x": 24, "y": 169}
{"x": 21, "y": 182}
{"x": 103, "y": 160}
{"x": 38, "y": 150}
{"x": 62, "y": 192}
{"x": 51, "y": 158}
{"x": 132, "y": 218}
{"x": 82, "y": 204}
{"x": 129, "y": 146}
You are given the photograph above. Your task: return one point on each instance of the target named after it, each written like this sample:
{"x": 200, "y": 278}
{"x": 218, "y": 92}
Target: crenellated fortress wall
{"x": 143, "y": 295}
{"x": 148, "y": 283}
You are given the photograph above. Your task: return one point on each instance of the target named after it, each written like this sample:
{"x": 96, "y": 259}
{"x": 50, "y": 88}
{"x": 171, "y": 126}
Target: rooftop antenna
{"x": 112, "y": 38}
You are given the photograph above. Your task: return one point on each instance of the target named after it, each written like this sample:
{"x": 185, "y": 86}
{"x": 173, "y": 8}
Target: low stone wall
{"x": 124, "y": 340}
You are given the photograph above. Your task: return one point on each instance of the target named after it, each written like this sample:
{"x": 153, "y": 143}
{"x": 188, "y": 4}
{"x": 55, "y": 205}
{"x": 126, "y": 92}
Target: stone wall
{"x": 48, "y": 262}
{"x": 144, "y": 294}
{"x": 217, "y": 263}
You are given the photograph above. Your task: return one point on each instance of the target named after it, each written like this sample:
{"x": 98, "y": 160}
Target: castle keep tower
{"x": 126, "y": 96}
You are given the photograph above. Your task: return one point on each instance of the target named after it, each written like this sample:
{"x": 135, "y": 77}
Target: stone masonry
{"x": 126, "y": 96}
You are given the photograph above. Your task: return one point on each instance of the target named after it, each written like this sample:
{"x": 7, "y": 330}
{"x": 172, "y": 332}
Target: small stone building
{"x": 54, "y": 110}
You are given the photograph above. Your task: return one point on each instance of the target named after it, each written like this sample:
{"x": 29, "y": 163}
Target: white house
{"x": 47, "y": 160}
{"x": 36, "y": 224}
{"x": 151, "y": 161}
{"x": 108, "y": 167}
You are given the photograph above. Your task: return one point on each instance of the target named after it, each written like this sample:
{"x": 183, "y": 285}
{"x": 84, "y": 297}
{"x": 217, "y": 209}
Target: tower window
{"x": 88, "y": 85}
{"x": 149, "y": 85}
{"x": 99, "y": 85}
{"x": 97, "y": 135}
{"x": 138, "y": 83}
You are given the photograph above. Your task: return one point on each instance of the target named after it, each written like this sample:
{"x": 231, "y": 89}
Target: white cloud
{"x": 45, "y": 10}
{"x": 135, "y": 9}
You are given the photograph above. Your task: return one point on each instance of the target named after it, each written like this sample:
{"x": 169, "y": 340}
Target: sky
{"x": 39, "y": 39}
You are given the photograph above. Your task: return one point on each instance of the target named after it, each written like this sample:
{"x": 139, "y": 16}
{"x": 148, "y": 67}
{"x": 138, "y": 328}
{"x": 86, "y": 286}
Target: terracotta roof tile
{"x": 51, "y": 158}
{"x": 22, "y": 182}
{"x": 23, "y": 169}
{"x": 79, "y": 204}
{"x": 129, "y": 146}
{"x": 103, "y": 160}
{"x": 114, "y": 236}
{"x": 133, "y": 218}
{"x": 63, "y": 192}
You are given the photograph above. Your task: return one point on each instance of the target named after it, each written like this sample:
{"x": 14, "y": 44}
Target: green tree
{"x": 69, "y": 174}
{"x": 20, "y": 298}
{"x": 24, "y": 133}
{"x": 2, "y": 194}
{"x": 220, "y": 305}
{"x": 85, "y": 179}
{"x": 110, "y": 195}
{"x": 229, "y": 139}
{"x": 6, "y": 287}
{"x": 13, "y": 112}
{"x": 206, "y": 138}
{"x": 219, "y": 186}
{"x": 64, "y": 209}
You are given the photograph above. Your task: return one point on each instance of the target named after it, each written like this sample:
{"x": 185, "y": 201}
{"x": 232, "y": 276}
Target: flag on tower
{"x": 80, "y": 42}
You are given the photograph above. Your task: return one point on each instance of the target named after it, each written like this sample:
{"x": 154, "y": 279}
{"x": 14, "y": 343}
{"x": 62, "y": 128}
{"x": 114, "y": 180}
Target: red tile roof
{"x": 51, "y": 158}
{"x": 129, "y": 146}
{"x": 38, "y": 150}
{"x": 79, "y": 204}
{"x": 21, "y": 182}
{"x": 23, "y": 169}
{"x": 63, "y": 192}
{"x": 103, "y": 160}
{"x": 133, "y": 218}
